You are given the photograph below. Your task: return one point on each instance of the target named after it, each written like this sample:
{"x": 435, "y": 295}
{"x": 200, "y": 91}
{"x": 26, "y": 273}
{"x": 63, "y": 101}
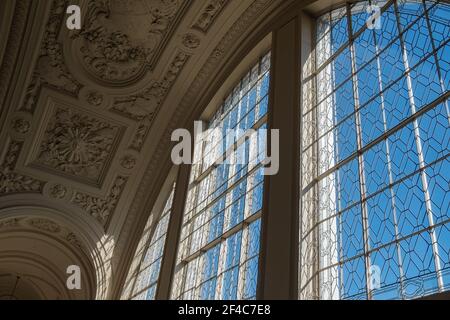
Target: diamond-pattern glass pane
{"x": 142, "y": 279}
{"x": 375, "y": 220}
{"x": 218, "y": 253}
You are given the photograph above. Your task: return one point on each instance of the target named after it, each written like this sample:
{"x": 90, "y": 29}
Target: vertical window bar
{"x": 315, "y": 237}
{"x": 362, "y": 183}
{"x": 436, "y": 58}
{"x": 423, "y": 175}
{"x": 389, "y": 162}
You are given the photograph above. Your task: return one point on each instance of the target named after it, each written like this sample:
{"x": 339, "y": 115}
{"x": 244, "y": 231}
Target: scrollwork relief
{"x": 21, "y": 125}
{"x": 144, "y": 106}
{"x": 209, "y": 14}
{"x": 146, "y": 103}
{"x": 77, "y": 144}
{"x": 139, "y": 136}
{"x": 128, "y": 162}
{"x": 120, "y": 39}
{"x": 58, "y": 191}
{"x": 101, "y": 208}
{"x": 73, "y": 240}
{"x": 190, "y": 41}
{"x": 13, "y": 182}
{"x": 50, "y": 67}
{"x": 10, "y": 223}
{"x": 44, "y": 224}
{"x": 94, "y": 98}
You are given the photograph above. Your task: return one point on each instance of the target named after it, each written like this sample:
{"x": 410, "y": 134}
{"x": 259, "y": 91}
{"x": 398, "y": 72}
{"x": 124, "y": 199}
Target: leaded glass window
{"x": 219, "y": 244}
{"x": 142, "y": 279}
{"x": 375, "y": 154}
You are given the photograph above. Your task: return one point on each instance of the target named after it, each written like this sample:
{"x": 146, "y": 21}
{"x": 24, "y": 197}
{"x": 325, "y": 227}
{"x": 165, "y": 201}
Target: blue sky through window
{"x": 386, "y": 155}
{"x": 218, "y": 252}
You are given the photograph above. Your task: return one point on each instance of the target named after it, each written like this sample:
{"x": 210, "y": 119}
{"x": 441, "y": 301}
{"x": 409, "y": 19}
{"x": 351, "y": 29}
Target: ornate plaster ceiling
{"x": 86, "y": 115}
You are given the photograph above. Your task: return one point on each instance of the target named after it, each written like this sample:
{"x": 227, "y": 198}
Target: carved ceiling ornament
{"x": 146, "y": 103}
{"x": 121, "y": 39}
{"x": 191, "y": 41}
{"x": 58, "y": 191}
{"x": 21, "y": 125}
{"x": 50, "y": 67}
{"x": 74, "y": 241}
{"x": 44, "y": 225}
{"x": 101, "y": 208}
{"x": 78, "y": 145}
{"x": 10, "y": 223}
{"x": 94, "y": 98}
{"x": 210, "y": 12}
{"x": 140, "y": 135}
{"x": 128, "y": 162}
{"x": 12, "y": 182}
{"x": 144, "y": 106}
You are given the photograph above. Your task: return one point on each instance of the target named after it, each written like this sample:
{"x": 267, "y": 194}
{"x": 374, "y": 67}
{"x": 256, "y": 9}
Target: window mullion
{"x": 418, "y": 141}
{"x": 389, "y": 162}
{"x": 365, "y": 219}
{"x": 436, "y": 58}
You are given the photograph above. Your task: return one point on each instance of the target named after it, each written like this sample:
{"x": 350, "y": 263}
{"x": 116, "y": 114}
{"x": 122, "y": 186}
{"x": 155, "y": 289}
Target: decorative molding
{"x": 147, "y": 103}
{"x": 50, "y": 67}
{"x": 94, "y": 98}
{"x": 101, "y": 208}
{"x": 12, "y": 182}
{"x": 145, "y": 106}
{"x": 77, "y": 145}
{"x": 122, "y": 39}
{"x": 74, "y": 241}
{"x": 140, "y": 135}
{"x": 21, "y": 125}
{"x": 128, "y": 162}
{"x": 57, "y": 191}
{"x": 190, "y": 41}
{"x": 209, "y": 14}
{"x": 10, "y": 223}
{"x": 43, "y": 225}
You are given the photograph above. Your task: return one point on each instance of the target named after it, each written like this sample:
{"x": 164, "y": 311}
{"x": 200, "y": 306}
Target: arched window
{"x": 142, "y": 279}
{"x": 375, "y": 153}
{"x": 218, "y": 250}
{"x": 373, "y": 218}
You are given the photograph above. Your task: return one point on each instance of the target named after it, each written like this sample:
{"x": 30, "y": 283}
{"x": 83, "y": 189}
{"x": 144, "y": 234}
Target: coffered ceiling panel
{"x": 121, "y": 40}
{"x": 75, "y": 143}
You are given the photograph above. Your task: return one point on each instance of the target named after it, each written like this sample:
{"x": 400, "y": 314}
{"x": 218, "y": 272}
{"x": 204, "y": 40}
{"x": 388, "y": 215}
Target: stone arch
{"x": 46, "y": 241}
